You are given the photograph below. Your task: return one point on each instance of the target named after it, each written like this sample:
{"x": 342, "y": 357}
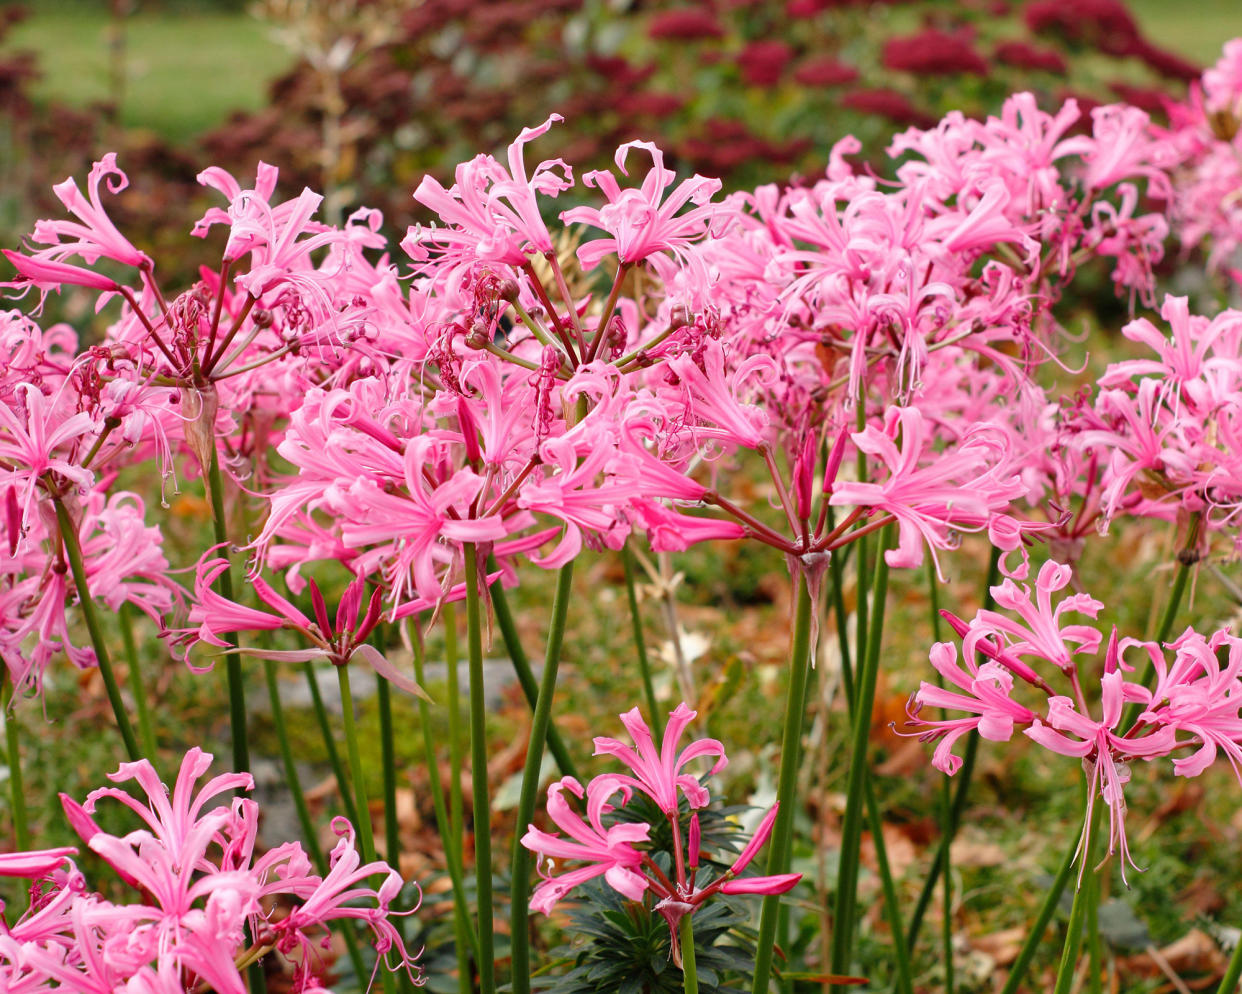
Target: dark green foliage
{"x": 615, "y": 946}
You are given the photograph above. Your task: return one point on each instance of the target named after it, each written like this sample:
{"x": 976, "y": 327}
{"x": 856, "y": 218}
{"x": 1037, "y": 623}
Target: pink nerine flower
{"x": 608, "y": 851}
{"x": 640, "y": 225}
{"x": 202, "y": 888}
{"x": 339, "y": 642}
{"x": 933, "y": 495}
{"x": 612, "y": 850}
{"x": 987, "y": 697}
{"x": 491, "y": 214}
{"x": 93, "y": 235}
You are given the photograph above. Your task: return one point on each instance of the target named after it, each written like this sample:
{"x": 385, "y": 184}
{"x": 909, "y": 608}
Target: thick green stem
{"x": 786, "y": 791}
{"x": 73, "y": 551}
{"x": 640, "y": 643}
{"x": 466, "y": 941}
{"x": 366, "y": 836}
{"x": 294, "y": 782}
{"x": 519, "y": 914}
{"x": 292, "y": 779}
{"x": 1094, "y": 946}
{"x": 860, "y": 619}
{"x": 329, "y": 743}
{"x": 388, "y": 758}
{"x": 457, "y": 820}
{"x": 1034, "y": 938}
{"x": 862, "y": 570}
{"x": 689, "y": 972}
{"x": 851, "y": 828}
{"x": 941, "y": 861}
{"x": 136, "y": 685}
{"x": 526, "y": 676}
{"x": 388, "y": 753}
{"x": 1229, "y": 983}
{"x": 233, "y": 666}
{"x": 1073, "y": 932}
{"x": 892, "y": 909}
{"x": 838, "y": 609}
{"x": 1176, "y": 593}
{"x": 16, "y": 786}
{"x": 946, "y": 803}
{"x": 392, "y": 834}
{"x": 478, "y": 772}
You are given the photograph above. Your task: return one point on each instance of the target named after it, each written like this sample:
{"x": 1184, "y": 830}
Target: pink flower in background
{"x": 339, "y": 643}
{"x": 931, "y": 494}
{"x": 1222, "y": 83}
{"x": 642, "y": 222}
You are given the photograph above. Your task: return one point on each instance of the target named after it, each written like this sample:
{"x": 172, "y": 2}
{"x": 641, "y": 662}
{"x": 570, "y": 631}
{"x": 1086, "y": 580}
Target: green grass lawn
{"x": 1196, "y": 30}
{"x": 185, "y": 68}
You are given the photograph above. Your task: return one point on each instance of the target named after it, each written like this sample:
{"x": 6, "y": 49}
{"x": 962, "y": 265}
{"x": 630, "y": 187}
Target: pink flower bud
{"x": 777, "y": 884}
{"x": 757, "y": 840}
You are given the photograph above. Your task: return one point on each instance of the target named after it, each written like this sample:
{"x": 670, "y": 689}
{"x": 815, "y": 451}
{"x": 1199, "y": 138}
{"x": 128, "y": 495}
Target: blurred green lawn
{"x": 187, "y": 65}
{"x": 1196, "y": 29}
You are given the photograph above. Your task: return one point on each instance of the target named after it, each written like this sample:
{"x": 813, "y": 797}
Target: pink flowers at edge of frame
{"x": 201, "y": 884}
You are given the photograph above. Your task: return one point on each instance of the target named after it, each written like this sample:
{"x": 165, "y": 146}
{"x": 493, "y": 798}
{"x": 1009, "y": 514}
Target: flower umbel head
{"x": 622, "y": 849}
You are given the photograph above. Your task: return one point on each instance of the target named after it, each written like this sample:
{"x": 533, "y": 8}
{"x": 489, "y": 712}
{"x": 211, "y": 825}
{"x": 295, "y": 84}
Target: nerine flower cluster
{"x": 498, "y": 383}
{"x": 499, "y": 391}
{"x": 1191, "y": 714}
{"x": 206, "y": 903}
{"x": 615, "y": 848}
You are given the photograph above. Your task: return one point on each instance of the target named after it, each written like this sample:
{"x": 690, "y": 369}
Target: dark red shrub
{"x": 1103, "y": 24}
{"x": 888, "y": 104}
{"x": 1166, "y": 63}
{"x": 824, "y": 70}
{"x": 619, "y": 70}
{"x": 933, "y": 53}
{"x": 646, "y": 104}
{"x": 1021, "y": 55}
{"x": 763, "y": 63}
{"x": 685, "y": 24}
{"x": 1155, "y": 102}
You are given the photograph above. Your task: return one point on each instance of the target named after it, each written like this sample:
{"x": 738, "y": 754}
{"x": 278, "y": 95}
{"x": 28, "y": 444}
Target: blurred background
{"x": 359, "y": 98}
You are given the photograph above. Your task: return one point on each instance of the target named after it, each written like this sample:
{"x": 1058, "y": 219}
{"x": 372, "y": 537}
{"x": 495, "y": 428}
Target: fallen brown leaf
{"x": 971, "y": 849}
{"x": 901, "y": 852}
{"x": 1003, "y": 946}
{"x": 1194, "y": 954}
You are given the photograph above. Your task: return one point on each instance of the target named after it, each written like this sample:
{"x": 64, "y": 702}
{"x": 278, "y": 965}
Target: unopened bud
{"x": 262, "y": 317}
